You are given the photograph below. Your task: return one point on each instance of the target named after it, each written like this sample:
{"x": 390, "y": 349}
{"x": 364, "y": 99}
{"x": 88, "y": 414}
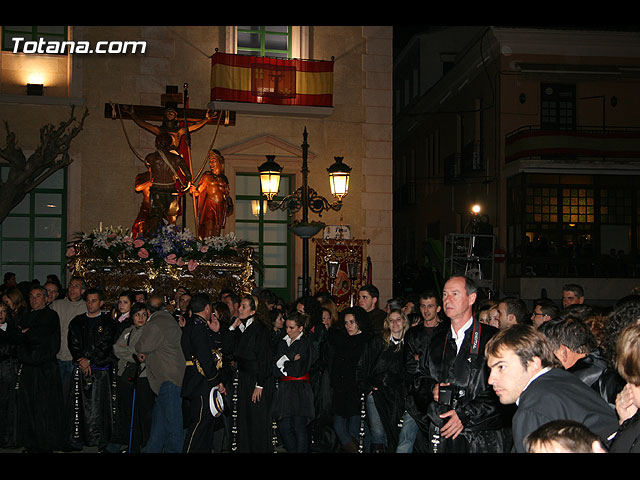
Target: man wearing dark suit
{"x": 525, "y": 371}
{"x": 204, "y": 371}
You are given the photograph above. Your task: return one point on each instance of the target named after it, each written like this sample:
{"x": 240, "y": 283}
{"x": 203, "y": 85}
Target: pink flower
{"x": 143, "y": 253}
{"x": 71, "y": 251}
{"x": 171, "y": 259}
{"x": 138, "y": 243}
{"x": 192, "y": 265}
{"x": 204, "y": 248}
{"x": 180, "y": 262}
{"x": 127, "y": 240}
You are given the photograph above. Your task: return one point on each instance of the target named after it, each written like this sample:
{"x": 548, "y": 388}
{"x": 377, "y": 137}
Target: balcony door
{"x": 558, "y": 106}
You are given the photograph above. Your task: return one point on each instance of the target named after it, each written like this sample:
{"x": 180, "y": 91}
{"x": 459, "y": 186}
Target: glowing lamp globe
{"x": 339, "y": 178}
{"x": 270, "y": 177}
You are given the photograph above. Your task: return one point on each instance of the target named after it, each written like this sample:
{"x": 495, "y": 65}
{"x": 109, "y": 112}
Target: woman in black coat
{"x": 253, "y": 356}
{"x": 293, "y": 406}
{"x": 346, "y": 398}
{"x": 380, "y": 377}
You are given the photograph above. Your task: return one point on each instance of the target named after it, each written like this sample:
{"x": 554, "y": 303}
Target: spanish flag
{"x": 247, "y": 78}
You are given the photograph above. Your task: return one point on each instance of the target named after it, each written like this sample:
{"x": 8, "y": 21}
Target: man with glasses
{"x": 543, "y": 311}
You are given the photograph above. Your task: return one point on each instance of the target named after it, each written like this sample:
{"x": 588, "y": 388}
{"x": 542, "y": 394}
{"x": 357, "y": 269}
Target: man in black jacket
{"x": 39, "y": 388}
{"x": 204, "y": 371}
{"x": 90, "y": 339}
{"x": 415, "y": 346}
{"x": 525, "y": 371}
{"x": 463, "y": 412}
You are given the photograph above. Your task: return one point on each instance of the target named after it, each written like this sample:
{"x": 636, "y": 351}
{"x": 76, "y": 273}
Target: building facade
{"x": 539, "y": 127}
{"x": 98, "y": 187}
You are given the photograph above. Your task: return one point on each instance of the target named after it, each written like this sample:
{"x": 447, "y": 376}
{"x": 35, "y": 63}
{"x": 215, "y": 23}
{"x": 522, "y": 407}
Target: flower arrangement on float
{"x": 171, "y": 245}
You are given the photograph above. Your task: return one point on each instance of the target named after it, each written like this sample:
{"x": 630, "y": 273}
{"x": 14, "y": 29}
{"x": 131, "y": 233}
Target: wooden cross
{"x": 156, "y": 114}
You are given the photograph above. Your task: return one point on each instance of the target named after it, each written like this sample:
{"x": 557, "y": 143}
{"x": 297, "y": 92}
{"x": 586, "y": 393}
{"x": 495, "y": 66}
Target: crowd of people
{"x": 450, "y": 372}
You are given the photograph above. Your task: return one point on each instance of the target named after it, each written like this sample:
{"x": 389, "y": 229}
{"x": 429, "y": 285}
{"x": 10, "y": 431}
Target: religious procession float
{"x": 112, "y": 259}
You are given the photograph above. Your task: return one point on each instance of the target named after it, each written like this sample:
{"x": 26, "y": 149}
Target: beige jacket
{"x": 160, "y": 342}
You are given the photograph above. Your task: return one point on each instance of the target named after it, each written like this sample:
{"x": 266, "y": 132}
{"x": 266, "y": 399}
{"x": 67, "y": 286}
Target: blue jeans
{"x": 407, "y": 435}
{"x": 348, "y": 429}
{"x": 378, "y": 435}
{"x": 294, "y": 433}
{"x": 66, "y": 371}
{"x": 167, "y": 433}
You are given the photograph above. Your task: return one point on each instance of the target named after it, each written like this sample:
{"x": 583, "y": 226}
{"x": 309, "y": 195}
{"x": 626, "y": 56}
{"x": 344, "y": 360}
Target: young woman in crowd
{"x": 252, "y": 353}
{"x": 121, "y": 313}
{"x": 628, "y": 400}
{"x": 347, "y": 399}
{"x": 134, "y": 395}
{"x": 293, "y": 406}
{"x": 380, "y": 376}
{"x": 276, "y": 318}
{"x": 14, "y": 299}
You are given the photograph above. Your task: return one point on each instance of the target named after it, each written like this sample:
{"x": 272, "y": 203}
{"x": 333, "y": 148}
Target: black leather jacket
{"x": 93, "y": 338}
{"x": 476, "y": 404}
{"x": 594, "y": 370}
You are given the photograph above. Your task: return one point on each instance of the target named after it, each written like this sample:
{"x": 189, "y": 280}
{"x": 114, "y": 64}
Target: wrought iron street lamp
{"x": 270, "y": 177}
{"x": 304, "y": 198}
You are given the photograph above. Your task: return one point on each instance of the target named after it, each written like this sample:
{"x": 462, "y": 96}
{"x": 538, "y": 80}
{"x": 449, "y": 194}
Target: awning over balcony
{"x": 529, "y": 142}
{"x": 246, "y": 78}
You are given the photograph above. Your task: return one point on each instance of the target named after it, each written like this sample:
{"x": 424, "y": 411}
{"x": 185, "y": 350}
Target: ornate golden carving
{"x": 211, "y": 276}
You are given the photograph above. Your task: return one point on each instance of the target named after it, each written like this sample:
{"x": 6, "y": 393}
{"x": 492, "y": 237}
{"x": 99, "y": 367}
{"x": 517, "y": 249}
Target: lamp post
{"x": 332, "y": 272}
{"x": 304, "y": 199}
{"x": 352, "y": 270}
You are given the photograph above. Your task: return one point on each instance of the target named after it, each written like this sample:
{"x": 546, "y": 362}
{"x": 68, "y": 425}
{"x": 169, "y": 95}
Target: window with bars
{"x": 268, "y": 229}
{"x": 31, "y": 33}
{"x": 32, "y": 237}
{"x": 264, "y": 41}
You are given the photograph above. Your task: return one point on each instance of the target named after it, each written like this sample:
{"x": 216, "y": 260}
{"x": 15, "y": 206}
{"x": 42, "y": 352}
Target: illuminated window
{"x": 578, "y": 205}
{"x": 542, "y": 205}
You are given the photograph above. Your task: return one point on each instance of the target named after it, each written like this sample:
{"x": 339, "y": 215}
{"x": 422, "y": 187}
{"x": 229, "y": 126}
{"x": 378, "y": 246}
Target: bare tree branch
{"x": 50, "y": 156}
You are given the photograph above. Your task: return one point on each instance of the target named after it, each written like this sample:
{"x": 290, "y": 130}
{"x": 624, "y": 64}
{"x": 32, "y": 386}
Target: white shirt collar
{"x": 459, "y": 336}
{"x": 244, "y": 326}
{"x": 289, "y": 341}
{"x": 540, "y": 373}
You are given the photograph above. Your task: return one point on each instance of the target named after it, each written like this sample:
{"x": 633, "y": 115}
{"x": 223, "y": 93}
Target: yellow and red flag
{"x": 277, "y": 81}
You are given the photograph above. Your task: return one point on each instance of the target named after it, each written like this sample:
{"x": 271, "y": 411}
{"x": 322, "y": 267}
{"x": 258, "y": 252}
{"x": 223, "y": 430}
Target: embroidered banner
{"x": 344, "y": 252}
{"x": 278, "y": 81}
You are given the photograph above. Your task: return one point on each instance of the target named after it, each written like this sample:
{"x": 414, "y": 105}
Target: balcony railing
{"x": 584, "y": 142}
